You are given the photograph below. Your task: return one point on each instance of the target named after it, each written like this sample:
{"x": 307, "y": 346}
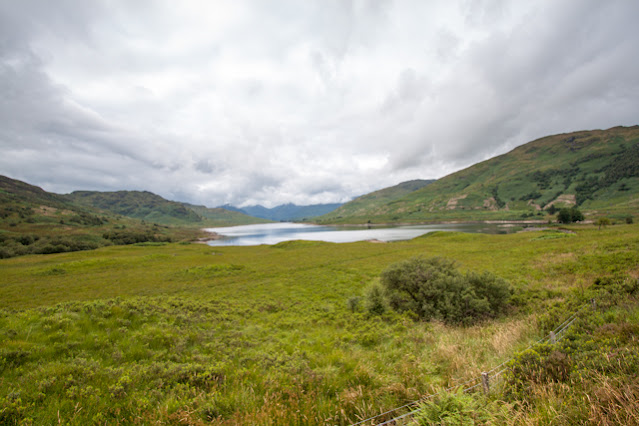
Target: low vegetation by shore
{"x": 190, "y": 334}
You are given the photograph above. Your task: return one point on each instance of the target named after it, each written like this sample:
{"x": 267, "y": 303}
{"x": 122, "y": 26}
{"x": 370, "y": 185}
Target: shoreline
{"x": 442, "y": 222}
{"x": 212, "y": 236}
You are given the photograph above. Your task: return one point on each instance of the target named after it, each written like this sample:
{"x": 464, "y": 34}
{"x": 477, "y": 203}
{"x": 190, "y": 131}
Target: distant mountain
{"x": 219, "y": 216}
{"x": 597, "y": 171}
{"x": 286, "y": 212}
{"x": 232, "y": 208}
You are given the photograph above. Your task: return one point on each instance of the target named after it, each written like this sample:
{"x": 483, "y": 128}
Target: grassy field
{"x": 192, "y": 334}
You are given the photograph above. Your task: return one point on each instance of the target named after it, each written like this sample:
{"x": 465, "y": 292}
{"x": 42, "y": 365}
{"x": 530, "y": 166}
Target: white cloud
{"x": 271, "y": 102}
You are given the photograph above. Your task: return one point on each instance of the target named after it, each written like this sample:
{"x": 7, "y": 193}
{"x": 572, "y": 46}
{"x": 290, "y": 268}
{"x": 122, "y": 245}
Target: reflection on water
{"x": 273, "y": 233}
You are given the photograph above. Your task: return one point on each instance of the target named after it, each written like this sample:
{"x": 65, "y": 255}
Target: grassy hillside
{"x": 15, "y": 193}
{"x": 33, "y": 221}
{"x": 598, "y": 171}
{"x": 360, "y": 206}
{"x": 176, "y": 334}
{"x": 141, "y": 205}
{"x": 222, "y": 217}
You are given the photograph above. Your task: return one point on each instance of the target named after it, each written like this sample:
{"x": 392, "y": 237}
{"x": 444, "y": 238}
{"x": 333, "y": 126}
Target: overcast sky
{"x": 302, "y": 101}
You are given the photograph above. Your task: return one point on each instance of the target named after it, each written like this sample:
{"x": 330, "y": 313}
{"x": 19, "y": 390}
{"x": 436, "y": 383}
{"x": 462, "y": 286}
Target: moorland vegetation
{"x": 185, "y": 333}
{"x": 33, "y": 221}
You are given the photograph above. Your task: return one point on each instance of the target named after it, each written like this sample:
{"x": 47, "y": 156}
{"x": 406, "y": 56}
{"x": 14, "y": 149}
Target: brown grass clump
{"x": 612, "y": 402}
{"x": 507, "y": 335}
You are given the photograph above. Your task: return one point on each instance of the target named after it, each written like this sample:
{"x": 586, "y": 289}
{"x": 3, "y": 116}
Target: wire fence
{"x": 554, "y": 336}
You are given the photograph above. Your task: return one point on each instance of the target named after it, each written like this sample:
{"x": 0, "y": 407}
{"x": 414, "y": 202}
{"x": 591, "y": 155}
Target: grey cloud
{"x": 483, "y": 12}
{"x": 298, "y": 101}
{"x": 205, "y": 166}
{"x": 547, "y": 74}
{"x": 410, "y": 90}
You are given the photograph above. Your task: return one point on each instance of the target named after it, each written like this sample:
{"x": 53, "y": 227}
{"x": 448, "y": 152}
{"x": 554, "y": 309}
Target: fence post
{"x": 553, "y": 338}
{"x": 593, "y": 303}
{"x": 485, "y": 382}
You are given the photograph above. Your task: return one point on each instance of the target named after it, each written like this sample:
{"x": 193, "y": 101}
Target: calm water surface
{"x": 273, "y": 233}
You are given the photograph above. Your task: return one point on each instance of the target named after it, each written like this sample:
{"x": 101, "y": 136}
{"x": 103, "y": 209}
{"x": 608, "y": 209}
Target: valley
{"x": 109, "y": 314}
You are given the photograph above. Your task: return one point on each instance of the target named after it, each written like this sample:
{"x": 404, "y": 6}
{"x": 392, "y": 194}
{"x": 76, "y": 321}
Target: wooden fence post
{"x": 553, "y": 338}
{"x": 485, "y": 382}
{"x": 593, "y": 303}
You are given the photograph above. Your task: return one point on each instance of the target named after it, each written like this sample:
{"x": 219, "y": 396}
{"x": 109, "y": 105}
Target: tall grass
{"x": 264, "y": 335}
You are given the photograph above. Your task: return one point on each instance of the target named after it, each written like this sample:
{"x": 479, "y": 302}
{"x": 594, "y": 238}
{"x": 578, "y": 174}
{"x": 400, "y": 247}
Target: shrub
{"x": 603, "y": 221}
{"x": 63, "y": 245}
{"x": 353, "y": 303}
{"x": 375, "y": 299}
{"x": 434, "y": 289}
{"x": 571, "y": 215}
{"x": 543, "y": 364}
{"x": 614, "y": 289}
{"x": 5, "y": 253}
{"x": 491, "y": 288}
{"x": 629, "y": 220}
{"x": 133, "y": 237}
{"x": 461, "y": 409}
{"x": 552, "y": 210}
{"x": 27, "y": 239}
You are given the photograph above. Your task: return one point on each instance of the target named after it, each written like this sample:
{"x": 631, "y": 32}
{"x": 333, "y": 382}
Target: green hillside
{"x": 360, "y": 206}
{"x": 23, "y": 204}
{"x": 14, "y": 192}
{"x": 597, "y": 171}
{"x": 34, "y": 221}
{"x": 142, "y": 205}
{"x": 218, "y": 216}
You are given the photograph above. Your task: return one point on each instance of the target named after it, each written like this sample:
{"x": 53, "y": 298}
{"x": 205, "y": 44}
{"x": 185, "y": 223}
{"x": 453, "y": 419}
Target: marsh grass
{"x": 184, "y": 334}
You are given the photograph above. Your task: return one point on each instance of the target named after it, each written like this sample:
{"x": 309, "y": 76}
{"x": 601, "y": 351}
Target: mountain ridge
{"x": 594, "y": 170}
{"x": 143, "y": 205}
{"x": 34, "y": 221}
{"x": 389, "y": 194}
{"x": 286, "y": 212}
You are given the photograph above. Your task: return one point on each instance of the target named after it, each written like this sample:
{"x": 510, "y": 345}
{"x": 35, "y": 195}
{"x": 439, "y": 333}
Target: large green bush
{"x": 434, "y": 289}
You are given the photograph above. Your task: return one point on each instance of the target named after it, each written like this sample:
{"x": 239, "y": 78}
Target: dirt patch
{"x": 51, "y": 211}
{"x": 452, "y": 203}
{"x": 490, "y": 203}
{"x": 46, "y": 211}
{"x": 553, "y": 259}
{"x": 535, "y": 205}
{"x": 634, "y": 274}
{"x": 568, "y": 199}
